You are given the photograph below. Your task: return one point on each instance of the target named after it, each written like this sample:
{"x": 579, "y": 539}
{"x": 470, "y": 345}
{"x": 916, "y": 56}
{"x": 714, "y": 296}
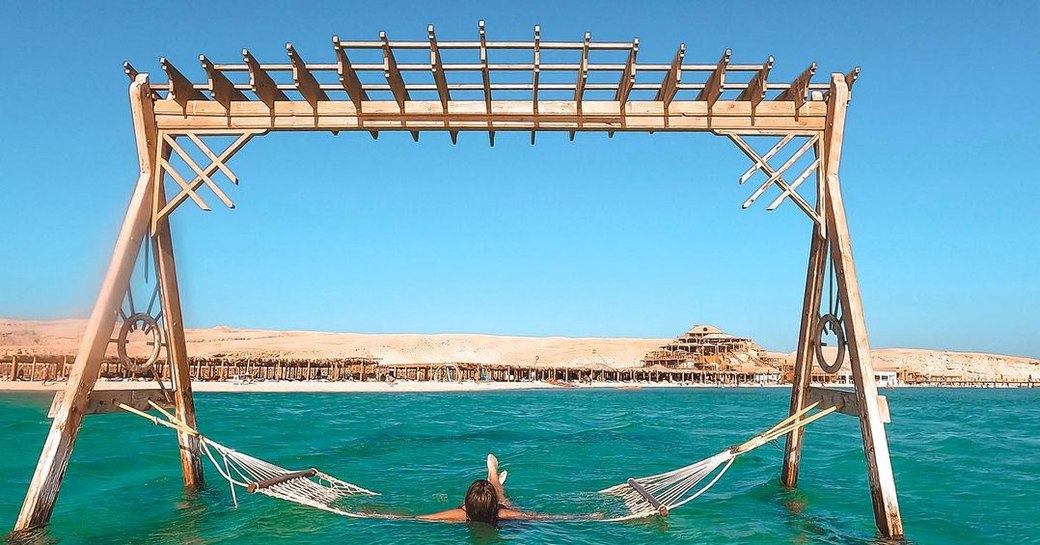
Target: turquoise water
{"x": 966, "y": 463}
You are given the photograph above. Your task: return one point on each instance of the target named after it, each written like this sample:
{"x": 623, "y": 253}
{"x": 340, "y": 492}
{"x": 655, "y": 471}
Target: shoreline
{"x": 408, "y": 386}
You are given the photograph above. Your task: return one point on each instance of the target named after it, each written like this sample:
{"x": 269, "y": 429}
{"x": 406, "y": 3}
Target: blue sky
{"x": 636, "y": 236}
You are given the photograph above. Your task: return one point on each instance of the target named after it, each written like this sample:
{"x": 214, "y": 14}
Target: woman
{"x": 485, "y": 501}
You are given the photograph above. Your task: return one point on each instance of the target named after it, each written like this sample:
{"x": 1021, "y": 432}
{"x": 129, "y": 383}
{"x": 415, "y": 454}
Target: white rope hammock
{"x": 642, "y": 497}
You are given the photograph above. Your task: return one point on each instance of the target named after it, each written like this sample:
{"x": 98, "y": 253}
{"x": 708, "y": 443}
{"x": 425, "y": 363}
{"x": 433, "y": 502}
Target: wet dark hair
{"x": 481, "y": 502}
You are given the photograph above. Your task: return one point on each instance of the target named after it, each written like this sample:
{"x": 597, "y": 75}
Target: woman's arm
{"x": 451, "y": 515}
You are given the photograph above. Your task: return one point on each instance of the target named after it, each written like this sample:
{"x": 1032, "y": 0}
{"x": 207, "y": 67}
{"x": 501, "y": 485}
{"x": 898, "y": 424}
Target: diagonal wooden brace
{"x": 776, "y": 175}
{"x": 198, "y": 170}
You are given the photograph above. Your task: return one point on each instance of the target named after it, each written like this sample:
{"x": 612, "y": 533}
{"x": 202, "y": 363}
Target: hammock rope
{"x": 641, "y": 497}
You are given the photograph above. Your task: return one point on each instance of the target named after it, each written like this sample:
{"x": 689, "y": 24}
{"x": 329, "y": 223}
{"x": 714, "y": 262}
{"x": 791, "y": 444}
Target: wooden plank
{"x": 875, "y": 441}
{"x": 768, "y": 118}
{"x": 107, "y": 401}
{"x": 57, "y": 449}
{"x": 536, "y": 68}
{"x": 851, "y": 78}
{"x": 305, "y": 82}
{"x": 756, "y": 89}
{"x": 348, "y": 77}
{"x": 713, "y": 87}
{"x": 437, "y": 67}
{"x": 393, "y": 74}
{"x": 845, "y": 401}
{"x": 670, "y": 84}
{"x": 628, "y": 76}
{"x": 223, "y": 89}
{"x": 264, "y": 87}
{"x": 583, "y": 71}
{"x": 799, "y": 88}
{"x": 181, "y": 88}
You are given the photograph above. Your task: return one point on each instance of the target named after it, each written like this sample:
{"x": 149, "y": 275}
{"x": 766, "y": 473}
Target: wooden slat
{"x": 844, "y": 400}
{"x": 583, "y": 71}
{"x": 181, "y": 88}
{"x": 756, "y": 89}
{"x": 799, "y": 88}
{"x": 628, "y": 75}
{"x": 261, "y": 83}
{"x": 393, "y": 74}
{"x": 535, "y": 72}
{"x": 670, "y": 84}
{"x": 305, "y": 82}
{"x": 130, "y": 71}
{"x": 485, "y": 76}
{"x": 437, "y": 67}
{"x": 851, "y": 77}
{"x": 223, "y": 89}
{"x": 713, "y": 87}
{"x": 348, "y": 77}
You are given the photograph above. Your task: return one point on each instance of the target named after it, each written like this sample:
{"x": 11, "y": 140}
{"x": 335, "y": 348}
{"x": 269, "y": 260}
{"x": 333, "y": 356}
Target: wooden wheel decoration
{"x": 149, "y": 325}
{"x": 829, "y": 323}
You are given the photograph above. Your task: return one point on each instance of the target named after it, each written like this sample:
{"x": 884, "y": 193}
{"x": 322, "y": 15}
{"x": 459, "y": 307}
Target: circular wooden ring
{"x": 151, "y": 327}
{"x": 838, "y": 328}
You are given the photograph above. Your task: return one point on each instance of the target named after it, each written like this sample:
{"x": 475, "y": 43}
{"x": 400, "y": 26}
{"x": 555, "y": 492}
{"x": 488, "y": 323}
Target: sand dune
{"x": 62, "y": 337}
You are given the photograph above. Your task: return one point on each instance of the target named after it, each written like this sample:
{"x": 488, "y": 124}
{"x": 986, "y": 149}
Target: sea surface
{"x": 967, "y": 465}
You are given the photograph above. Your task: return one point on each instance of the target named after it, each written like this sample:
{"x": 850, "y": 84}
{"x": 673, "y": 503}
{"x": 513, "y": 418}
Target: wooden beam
{"x": 57, "y": 449}
{"x": 485, "y": 76}
{"x": 264, "y": 87}
{"x": 771, "y": 117}
{"x": 223, "y": 89}
{"x": 583, "y": 77}
{"x": 348, "y": 77}
{"x": 305, "y": 82}
{"x": 107, "y": 401}
{"x": 130, "y": 71}
{"x": 181, "y": 88}
{"x": 845, "y": 401}
{"x": 437, "y": 67}
{"x": 799, "y": 88}
{"x": 851, "y": 78}
{"x": 393, "y": 74}
{"x": 628, "y": 76}
{"x": 875, "y": 440}
{"x": 756, "y": 89}
{"x": 536, "y": 68}
{"x": 670, "y": 84}
{"x": 713, "y": 87}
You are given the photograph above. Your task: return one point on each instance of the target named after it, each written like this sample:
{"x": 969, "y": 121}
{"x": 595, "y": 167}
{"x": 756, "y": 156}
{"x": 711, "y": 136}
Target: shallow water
{"x": 967, "y": 465}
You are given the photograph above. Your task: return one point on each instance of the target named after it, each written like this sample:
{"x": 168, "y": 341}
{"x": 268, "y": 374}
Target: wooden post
{"x": 177, "y": 350}
{"x": 806, "y": 332}
{"x": 875, "y": 441}
{"x": 54, "y": 457}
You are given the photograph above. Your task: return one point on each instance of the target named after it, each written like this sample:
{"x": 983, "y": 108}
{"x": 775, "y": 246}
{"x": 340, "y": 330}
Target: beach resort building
{"x": 708, "y": 348}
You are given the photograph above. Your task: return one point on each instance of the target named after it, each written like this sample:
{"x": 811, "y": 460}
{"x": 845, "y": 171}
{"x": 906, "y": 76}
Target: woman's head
{"x": 481, "y": 502}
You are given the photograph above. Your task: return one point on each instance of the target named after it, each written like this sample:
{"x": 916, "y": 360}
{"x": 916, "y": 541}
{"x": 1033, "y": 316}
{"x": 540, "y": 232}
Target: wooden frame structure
{"x": 533, "y": 85}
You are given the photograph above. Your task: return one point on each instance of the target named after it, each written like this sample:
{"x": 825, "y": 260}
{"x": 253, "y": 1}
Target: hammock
{"x": 641, "y": 497}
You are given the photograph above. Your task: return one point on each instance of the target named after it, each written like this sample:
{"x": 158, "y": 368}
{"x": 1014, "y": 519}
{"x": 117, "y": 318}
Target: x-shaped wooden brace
{"x": 775, "y": 175}
{"x": 202, "y": 175}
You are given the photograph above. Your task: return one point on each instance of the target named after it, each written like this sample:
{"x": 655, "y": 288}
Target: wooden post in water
{"x": 54, "y": 457}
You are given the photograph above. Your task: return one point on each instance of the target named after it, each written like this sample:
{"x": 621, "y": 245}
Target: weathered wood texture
{"x": 845, "y": 400}
{"x": 875, "y": 441}
{"x": 107, "y": 401}
{"x": 54, "y": 457}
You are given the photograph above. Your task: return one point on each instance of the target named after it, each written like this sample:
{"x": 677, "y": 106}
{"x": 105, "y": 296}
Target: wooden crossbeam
{"x": 776, "y": 175}
{"x": 193, "y": 185}
{"x": 393, "y": 74}
{"x": 224, "y": 91}
{"x": 181, "y": 88}
{"x": 437, "y": 67}
{"x": 628, "y": 76}
{"x": 670, "y": 84}
{"x": 261, "y": 83}
{"x": 583, "y": 77}
{"x": 799, "y": 88}
{"x": 130, "y": 71}
{"x": 186, "y": 188}
{"x": 764, "y": 159}
{"x": 756, "y": 89}
{"x": 851, "y": 77}
{"x": 172, "y": 142}
{"x": 305, "y": 82}
{"x": 713, "y": 87}
{"x": 348, "y": 78}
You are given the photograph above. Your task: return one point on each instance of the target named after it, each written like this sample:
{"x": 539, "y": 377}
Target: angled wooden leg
{"x": 176, "y": 349}
{"x": 875, "y": 441}
{"x": 804, "y": 359}
{"x": 54, "y": 457}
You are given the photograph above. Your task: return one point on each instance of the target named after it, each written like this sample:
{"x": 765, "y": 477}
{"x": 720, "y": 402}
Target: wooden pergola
{"x": 187, "y": 131}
